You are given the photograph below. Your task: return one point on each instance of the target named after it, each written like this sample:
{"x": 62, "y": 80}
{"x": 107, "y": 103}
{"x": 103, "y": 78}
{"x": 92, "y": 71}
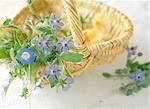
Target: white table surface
{"x": 90, "y": 90}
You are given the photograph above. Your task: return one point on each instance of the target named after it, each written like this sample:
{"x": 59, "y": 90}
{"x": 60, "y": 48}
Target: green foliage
{"x": 6, "y": 40}
{"x": 140, "y": 54}
{"x": 66, "y": 72}
{"x": 83, "y": 21}
{"x": 132, "y": 88}
{"x": 7, "y": 22}
{"x": 29, "y": 2}
{"x": 129, "y": 89}
{"x": 123, "y": 71}
{"x": 106, "y": 75}
{"x": 3, "y": 53}
{"x": 25, "y": 92}
{"x": 52, "y": 55}
{"x": 52, "y": 85}
{"x": 144, "y": 66}
{"x": 129, "y": 69}
{"x": 12, "y": 54}
{"x": 72, "y": 57}
{"x": 66, "y": 32}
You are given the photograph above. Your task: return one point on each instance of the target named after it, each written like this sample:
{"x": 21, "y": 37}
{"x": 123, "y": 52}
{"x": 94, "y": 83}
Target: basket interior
{"x": 104, "y": 23}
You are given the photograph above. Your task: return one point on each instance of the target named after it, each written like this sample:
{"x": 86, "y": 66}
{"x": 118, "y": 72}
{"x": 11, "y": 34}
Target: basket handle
{"x": 75, "y": 25}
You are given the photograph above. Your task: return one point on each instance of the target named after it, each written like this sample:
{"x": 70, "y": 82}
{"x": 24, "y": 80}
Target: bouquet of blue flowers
{"x": 40, "y": 55}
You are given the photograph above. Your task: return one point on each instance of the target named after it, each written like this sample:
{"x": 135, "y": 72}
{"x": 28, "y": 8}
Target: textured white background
{"x": 90, "y": 90}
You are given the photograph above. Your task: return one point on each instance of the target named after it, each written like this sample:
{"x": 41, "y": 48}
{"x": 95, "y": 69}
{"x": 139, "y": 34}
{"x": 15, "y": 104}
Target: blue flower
{"x": 44, "y": 43}
{"x": 131, "y": 51}
{"x": 138, "y": 77}
{"x": 66, "y": 87}
{"x": 64, "y": 43}
{"x": 25, "y": 56}
{"x": 55, "y": 22}
{"x": 52, "y": 71}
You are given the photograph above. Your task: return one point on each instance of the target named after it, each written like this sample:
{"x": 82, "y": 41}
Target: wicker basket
{"x": 115, "y": 38}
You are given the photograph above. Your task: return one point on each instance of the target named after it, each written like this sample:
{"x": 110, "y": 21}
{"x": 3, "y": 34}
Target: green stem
{"x": 55, "y": 60}
{"x": 12, "y": 26}
{"x": 134, "y": 58}
{"x": 29, "y": 71}
{"x": 114, "y": 76}
{"x": 57, "y": 57}
{"x": 16, "y": 37}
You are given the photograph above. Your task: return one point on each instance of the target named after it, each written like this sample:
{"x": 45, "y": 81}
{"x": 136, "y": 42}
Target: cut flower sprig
{"x": 32, "y": 57}
{"x": 137, "y": 74}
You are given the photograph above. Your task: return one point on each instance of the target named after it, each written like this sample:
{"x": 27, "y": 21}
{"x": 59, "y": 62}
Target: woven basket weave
{"x": 116, "y": 37}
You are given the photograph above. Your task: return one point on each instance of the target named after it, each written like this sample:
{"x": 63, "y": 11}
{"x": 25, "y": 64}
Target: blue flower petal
{"x": 45, "y": 73}
{"x": 138, "y": 77}
{"x": 61, "y": 89}
{"x": 47, "y": 50}
{"x": 55, "y": 22}
{"x": 59, "y": 47}
{"x": 50, "y": 65}
{"x": 70, "y": 80}
{"x": 138, "y": 82}
{"x": 28, "y": 59}
{"x": 50, "y": 43}
{"x": 52, "y": 78}
{"x": 66, "y": 87}
{"x": 65, "y": 44}
{"x": 132, "y": 76}
{"x": 66, "y": 49}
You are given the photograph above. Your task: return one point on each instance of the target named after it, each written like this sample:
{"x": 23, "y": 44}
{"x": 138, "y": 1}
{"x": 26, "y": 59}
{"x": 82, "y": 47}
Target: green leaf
{"x": 12, "y": 54}
{"x": 121, "y": 71}
{"x": 129, "y": 62}
{"x": 65, "y": 32}
{"x": 82, "y": 20}
{"x": 29, "y": 24}
{"x": 34, "y": 41}
{"x": 45, "y": 29}
{"x": 72, "y": 57}
{"x": 7, "y": 22}
{"x": 62, "y": 83}
{"x": 52, "y": 55}
{"x": 13, "y": 75}
{"x": 144, "y": 66}
{"x": 134, "y": 66}
{"x": 140, "y": 54}
{"x": 16, "y": 39}
{"x": 29, "y": 2}
{"x": 25, "y": 92}
{"x": 130, "y": 89}
{"x": 106, "y": 75}
{"x": 146, "y": 82}
{"x": 66, "y": 72}
{"x": 3, "y": 53}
